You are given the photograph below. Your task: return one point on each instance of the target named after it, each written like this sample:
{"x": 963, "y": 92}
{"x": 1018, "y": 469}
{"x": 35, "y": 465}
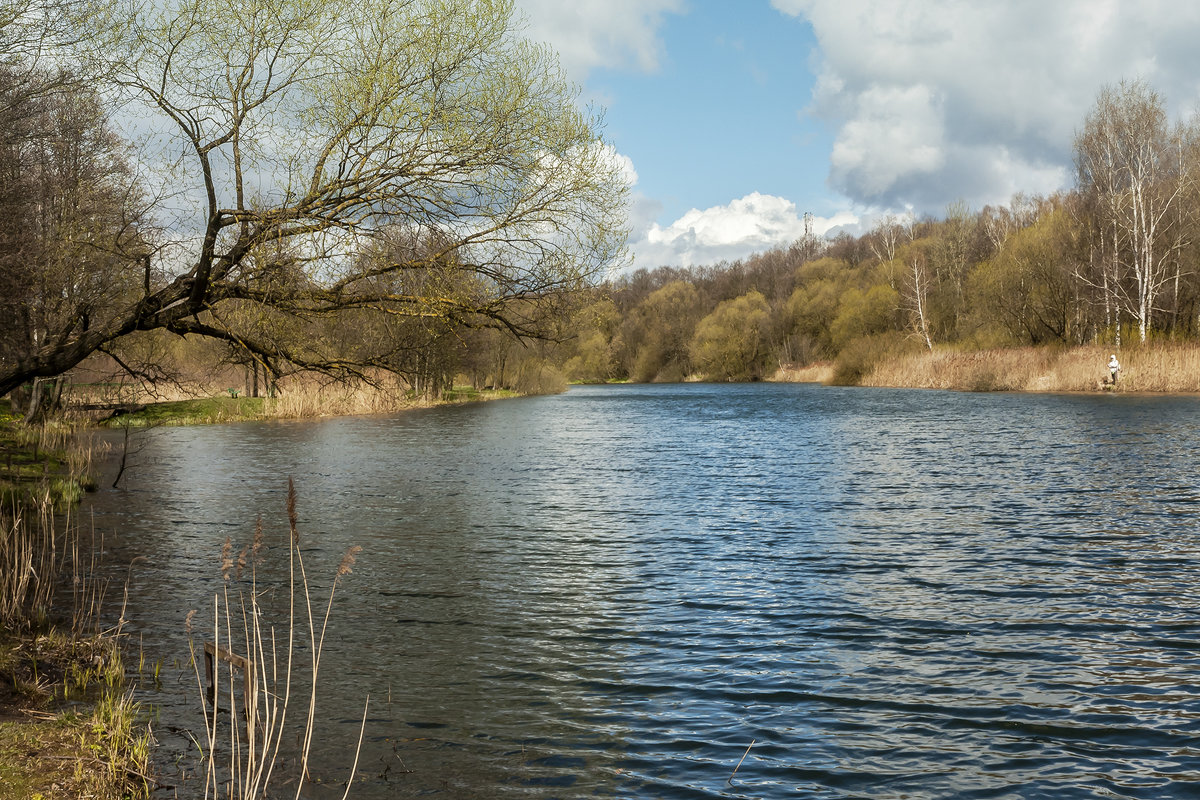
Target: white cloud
{"x": 940, "y": 100}
{"x": 747, "y": 225}
{"x": 600, "y": 33}
{"x": 624, "y": 165}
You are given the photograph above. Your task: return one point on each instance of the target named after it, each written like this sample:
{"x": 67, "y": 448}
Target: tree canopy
{"x": 297, "y": 160}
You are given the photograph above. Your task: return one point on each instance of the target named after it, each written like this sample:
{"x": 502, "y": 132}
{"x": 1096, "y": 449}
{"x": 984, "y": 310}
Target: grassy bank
{"x": 100, "y": 748}
{"x": 40, "y": 464}
{"x": 54, "y": 656}
{"x": 1159, "y": 368}
{"x": 298, "y": 402}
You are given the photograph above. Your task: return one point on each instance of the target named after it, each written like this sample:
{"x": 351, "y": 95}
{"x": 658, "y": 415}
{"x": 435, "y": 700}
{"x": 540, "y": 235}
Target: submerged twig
{"x": 740, "y": 760}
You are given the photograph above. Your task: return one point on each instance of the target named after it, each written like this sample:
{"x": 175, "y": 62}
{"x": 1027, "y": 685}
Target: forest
{"x": 1111, "y": 262}
{"x": 193, "y": 185}
{"x": 450, "y": 215}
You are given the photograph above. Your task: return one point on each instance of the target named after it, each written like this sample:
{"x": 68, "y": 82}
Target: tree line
{"x": 1114, "y": 260}
{"x": 429, "y": 199}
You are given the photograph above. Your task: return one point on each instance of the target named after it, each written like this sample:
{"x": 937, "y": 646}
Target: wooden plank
{"x": 212, "y": 654}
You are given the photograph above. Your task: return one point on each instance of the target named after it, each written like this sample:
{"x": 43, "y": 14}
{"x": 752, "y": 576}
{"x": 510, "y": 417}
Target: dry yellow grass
{"x": 308, "y": 398}
{"x": 1154, "y": 368}
{"x": 821, "y": 372}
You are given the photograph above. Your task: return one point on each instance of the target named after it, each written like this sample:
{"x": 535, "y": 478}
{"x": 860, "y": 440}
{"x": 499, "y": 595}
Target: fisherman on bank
{"x": 1114, "y": 367}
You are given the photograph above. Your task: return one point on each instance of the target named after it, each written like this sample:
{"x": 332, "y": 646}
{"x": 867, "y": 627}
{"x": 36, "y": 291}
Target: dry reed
{"x": 307, "y": 399}
{"x": 240, "y": 761}
{"x": 41, "y": 554}
{"x": 820, "y": 372}
{"x": 1152, "y": 368}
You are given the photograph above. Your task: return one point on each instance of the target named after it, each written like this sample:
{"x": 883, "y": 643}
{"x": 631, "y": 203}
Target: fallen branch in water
{"x": 740, "y": 760}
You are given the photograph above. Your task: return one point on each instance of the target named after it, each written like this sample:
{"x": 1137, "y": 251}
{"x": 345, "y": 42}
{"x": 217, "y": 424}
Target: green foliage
{"x": 595, "y": 327}
{"x": 859, "y": 357}
{"x": 825, "y": 268}
{"x": 731, "y": 343}
{"x": 592, "y": 362}
{"x": 655, "y": 336}
{"x": 862, "y": 314}
{"x": 813, "y": 308}
{"x": 1027, "y": 289}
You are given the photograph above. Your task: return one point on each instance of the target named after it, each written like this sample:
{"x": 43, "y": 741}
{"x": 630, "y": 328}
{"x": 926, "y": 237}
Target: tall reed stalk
{"x": 241, "y": 756}
{"x": 30, "y": 561}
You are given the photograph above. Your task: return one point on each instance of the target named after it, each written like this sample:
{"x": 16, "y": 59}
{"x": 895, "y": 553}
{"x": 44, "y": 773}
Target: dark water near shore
{"x": 613, "y": 592}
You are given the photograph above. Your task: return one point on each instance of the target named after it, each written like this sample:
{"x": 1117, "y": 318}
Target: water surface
{"x": 613, "y": 592}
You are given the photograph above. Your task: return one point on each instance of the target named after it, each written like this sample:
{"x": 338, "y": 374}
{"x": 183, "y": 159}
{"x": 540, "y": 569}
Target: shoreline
{"x": 307, "y": 405}
{"x": 67, "y": 725}
{"x": 1145, "y": 370}
{"x": 1152, "y": 370}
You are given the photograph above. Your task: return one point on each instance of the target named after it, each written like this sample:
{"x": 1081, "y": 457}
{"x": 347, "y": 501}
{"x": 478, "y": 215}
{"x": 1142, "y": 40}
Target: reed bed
{"x": 1161, "y": 368}
{"x": 820, "y": 372}
{"x": 52, "y": 644}
{"x": 32, "y": 555}
{"x": 1153, "y": 368}
{"x": 304, "y": 399}
{"x": 42, "y": 479}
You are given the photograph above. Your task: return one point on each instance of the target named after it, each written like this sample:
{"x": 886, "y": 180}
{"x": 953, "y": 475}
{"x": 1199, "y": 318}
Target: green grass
{"x": 29, "y": 470}
{"x": 193, "y": 412}
{"x": 102, "y": 754}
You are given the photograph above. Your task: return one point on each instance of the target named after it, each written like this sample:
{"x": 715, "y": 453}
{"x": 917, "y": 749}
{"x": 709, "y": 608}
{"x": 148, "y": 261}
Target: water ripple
{"x": 615, "y": 591}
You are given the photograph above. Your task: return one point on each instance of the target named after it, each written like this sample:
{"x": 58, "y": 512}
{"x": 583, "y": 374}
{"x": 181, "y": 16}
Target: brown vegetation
{"x": 1152, "y": 368}
{"x": 52, "y": 649}
{"x": 821, "y": 372}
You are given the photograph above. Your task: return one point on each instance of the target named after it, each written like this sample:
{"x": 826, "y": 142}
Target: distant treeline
{"x": 1113, "y": 261}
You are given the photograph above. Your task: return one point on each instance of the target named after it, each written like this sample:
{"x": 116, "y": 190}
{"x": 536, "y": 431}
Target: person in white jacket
{"x": 1114, "y": 367}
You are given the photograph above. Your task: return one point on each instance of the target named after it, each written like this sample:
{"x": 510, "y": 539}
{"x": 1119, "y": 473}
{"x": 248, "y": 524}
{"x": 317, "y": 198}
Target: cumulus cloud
{"x": 749, "y": 224}
{"x": 600, "y": 33}
{"x": 941, "y": 100}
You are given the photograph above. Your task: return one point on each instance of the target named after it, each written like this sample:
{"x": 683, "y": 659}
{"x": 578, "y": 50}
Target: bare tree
{"x": 916, "y": 295}
{"x": 71, "y": 242}
{"x": 1132, "y": 170}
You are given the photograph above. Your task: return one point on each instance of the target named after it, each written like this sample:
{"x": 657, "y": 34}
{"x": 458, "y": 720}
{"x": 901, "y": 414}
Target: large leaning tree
{"x": 336, "y": 159}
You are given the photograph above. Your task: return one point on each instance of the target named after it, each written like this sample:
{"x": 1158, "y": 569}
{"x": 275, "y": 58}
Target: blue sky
{"x": 725, "y": 80}
{"x": 737, "y": 116}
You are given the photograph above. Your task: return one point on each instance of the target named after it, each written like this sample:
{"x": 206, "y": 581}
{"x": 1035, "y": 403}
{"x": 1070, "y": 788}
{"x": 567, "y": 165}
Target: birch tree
{"x": 1132, "y": 171}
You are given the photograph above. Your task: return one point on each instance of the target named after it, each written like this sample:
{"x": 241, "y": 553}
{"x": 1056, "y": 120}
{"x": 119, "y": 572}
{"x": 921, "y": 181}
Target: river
{"x": 625, "y": 591}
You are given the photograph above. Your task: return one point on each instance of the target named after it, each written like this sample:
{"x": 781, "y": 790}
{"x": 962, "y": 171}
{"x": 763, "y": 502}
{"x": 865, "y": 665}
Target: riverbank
{"x": 43, "y": 464}
{"x": 1166, "y": 368}
{"x": 67, "y": 727}
{"x": 298, "y": 403}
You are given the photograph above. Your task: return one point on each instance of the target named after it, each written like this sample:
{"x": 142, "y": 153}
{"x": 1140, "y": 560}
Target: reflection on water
{"x": 614, "y": 591}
